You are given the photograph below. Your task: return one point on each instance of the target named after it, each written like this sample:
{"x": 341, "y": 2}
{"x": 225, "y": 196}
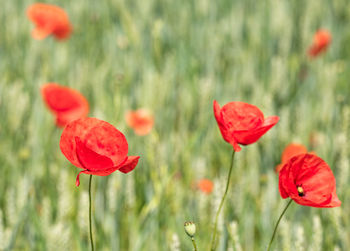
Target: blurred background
{"x": 174, "y": 58}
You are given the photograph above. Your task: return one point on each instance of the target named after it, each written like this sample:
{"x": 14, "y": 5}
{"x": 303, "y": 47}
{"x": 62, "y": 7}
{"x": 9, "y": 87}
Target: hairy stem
{"x": 194, "y": 244}
{"x": 278, "y": 222}
{"x": 213, "y": 240}
{"x": 91, "y": 239}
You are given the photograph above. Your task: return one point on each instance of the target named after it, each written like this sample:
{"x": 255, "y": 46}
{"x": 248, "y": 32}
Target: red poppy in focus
{"x": 140, "y": 120}
{"x": 242, "y": 123}
{"x": 321, "y": 41}
{"x": 49, "y": 20}
{"x": 290, "y": 151}
{"x": 206, "y": 186}
{"x": 97, "y": 147}
{"x": 308, "y": 180}
{"x": 67, "y": 104}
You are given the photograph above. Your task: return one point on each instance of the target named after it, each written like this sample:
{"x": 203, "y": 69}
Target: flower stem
{"x": 279, "y": 219}
{"x": 213, "y": 240}
{"x": 91, "y": 240}
{"x": 194, "y": 244}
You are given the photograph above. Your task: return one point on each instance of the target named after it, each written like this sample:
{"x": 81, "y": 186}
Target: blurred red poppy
{"x": 67, "y": 104}
{"x": 97, "y": 147}
{"x": 49, "y": 20}
{"x": 242, "y": 123}
{"x": 321, "y": 41}
{"x": 290, "y": 151}
{"x": 206, "y": 186}
{"x": 308, "y": 180}
{"x": 140, "y": 120}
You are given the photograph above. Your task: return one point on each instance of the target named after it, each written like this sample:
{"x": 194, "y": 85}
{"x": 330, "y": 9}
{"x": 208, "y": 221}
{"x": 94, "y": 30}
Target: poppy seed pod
{"x": 190, "y": 228}
{"x": 242, "y": 123}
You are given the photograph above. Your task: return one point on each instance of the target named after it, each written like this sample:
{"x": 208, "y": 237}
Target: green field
{"x": 174, "y": 57}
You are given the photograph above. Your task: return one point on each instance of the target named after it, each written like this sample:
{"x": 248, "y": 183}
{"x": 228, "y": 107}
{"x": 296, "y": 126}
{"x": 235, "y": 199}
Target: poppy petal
{"x": 292, "y": 150}
{"x": 77, "y": 180}
{"x": 250, "y": 136}
{"x": 321, "y": 41}
{"x": 67, "y": 104}
{"x": 205, "y": 185}
{"x": 103, "y": 172}
{"x": 63, "y": 118}
{"x": 314, "y": 176}
{"x": 240, "y": 116}
{"x": 98, "y": 173}
{"x": 40, "y": 33}
{"x": 49, "y": 19}
{"x": 283, "y": 179}
{"x": 228, "y": 136}
{"x": 67, "y": 143}
{"x": 141, "y": 121}
{"x": 98, "y": 136}
{"x": 106, "y": 140}
{"x": 129, "y": 164}
{"x": 335, "y": 202}
{"x": 91, "y": 159}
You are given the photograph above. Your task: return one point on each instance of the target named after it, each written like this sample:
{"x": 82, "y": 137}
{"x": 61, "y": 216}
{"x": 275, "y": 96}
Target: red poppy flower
{"x": 67, "y": 104}
{"x": 242, "y": 123}
{"x": 308, "y": 180}
{"x": 321, "y": 41}
{"x": 140, "y": 120}
{"x": 49, "y": 20}
{"x": 290, "y": 151}
{"x": 206, "y": 186}
{"x": 97, "y": 147}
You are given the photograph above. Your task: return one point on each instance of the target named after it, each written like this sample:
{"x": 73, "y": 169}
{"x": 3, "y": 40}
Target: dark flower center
{"x": 300, "y": 191}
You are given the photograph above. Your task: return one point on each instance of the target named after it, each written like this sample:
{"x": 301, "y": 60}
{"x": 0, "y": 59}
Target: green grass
{"x": 175, "y": 58}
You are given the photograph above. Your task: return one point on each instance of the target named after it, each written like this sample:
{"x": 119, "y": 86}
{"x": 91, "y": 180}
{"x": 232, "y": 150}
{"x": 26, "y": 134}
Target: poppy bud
{"x": 190, "y": 228}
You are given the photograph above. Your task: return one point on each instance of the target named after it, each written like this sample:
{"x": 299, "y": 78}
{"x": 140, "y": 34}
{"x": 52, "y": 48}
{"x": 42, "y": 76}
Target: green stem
{"x": 91, "y": 240}
{"x": 213, "y": 240}
{"x": 194, "y": 244}
{"x": 279, "y": 219}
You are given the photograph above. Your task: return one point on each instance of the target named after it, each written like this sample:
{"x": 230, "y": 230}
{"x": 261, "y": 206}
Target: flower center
{"x": 300, "y": 191}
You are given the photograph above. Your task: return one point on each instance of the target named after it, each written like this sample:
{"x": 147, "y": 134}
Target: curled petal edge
{"x": 129, "y": 164}
{"x": 224, "y": 132}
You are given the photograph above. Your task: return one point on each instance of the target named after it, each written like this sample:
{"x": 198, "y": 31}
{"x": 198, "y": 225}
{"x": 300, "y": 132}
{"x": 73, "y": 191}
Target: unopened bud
{"x": 190, "y": 228}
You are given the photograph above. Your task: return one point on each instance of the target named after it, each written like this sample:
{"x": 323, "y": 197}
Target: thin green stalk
{"x": 213, "y": 240}
{"x": 279, "y": 219}
{"x": 194, "y": 244}
{"x": 91, "y": 240}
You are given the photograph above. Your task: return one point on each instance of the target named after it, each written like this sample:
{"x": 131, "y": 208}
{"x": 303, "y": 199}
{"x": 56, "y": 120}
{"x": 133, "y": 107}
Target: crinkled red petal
{"x": 247, "y": 137}
{"x": 226, "y": 134}
{"x": 129, "y": 164}
{"x": 98, "y": 136}
{"x": 314, "y": 176}
{"x": 90, "y": 159}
